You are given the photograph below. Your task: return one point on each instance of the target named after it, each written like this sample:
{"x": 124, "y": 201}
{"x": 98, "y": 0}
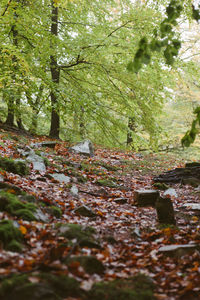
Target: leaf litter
{"x": 129, "y": 236}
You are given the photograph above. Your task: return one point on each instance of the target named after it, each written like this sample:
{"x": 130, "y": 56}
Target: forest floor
{"x": 127, "y": 237}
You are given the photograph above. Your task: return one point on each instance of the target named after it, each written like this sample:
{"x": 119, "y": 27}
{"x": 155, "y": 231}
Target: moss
{"x": 10, "y": 203}
{"x": 106, "y": 166}
{"x": 160, "y": 186}
{"x": 56, "y": 211}
{"x": 14, "y": 166}
{"x": 9, "y": 234}
{"x": 25, "y": 214}
{"x": 72, "y": 231}
{"x": 63, "y": 285}
{"x": 106, "y": 182}
{"x": 139, "y": 287}
{"x": 90, "y": 264}
{"x": 9, "y": 284}
{"x": 14, "y": 246}
{"x": 49, "y": 287}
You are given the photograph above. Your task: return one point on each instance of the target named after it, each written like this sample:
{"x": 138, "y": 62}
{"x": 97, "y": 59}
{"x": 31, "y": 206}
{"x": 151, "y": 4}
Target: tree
{"x": 78, "y": 51}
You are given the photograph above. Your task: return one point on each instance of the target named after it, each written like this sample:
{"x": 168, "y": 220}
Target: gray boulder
{"x": 86, "y": 148}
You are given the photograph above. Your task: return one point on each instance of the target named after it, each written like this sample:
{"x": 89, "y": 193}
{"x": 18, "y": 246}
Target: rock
{"x": 195, "y": 182}
{"x": 193, "y": 206}
{"x": 85, "y": 148}
{"x": 146, "y": 197}
{"x": 90, "y": 264}
{"x": 84, "y": 211}
{"x": 178, "y": 250}
{"x": 165, "y": 211}
{"x": 14, "y": 166}
{"x": 192, "y": 164}
{"x": 170, "y": 192}
{"x": 1, "y": 178}
{"x": 10, "y": 236}
{"x": 37, "y": 161}
{"x": 121, "y": 200}
{"x": 160, "y": 186}
{"x": 7, "y": 186}
{"x": 40, "y": 216}
{"x": 32, "y": 291}
{"x": 84, "y": 236}
{"x": 139, "y": 287}
{"x": 107, "y": 183}
{"x": 74, "y": 191}
{"x": 61, "y": 178}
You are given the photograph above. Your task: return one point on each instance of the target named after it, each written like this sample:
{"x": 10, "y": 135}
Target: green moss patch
{"x": 10, "y": 236}
{"x": 106, "y": 166}
{"x": 49, "y": 287}
{"x": 84, "y": 236}
{"x": 139, "y": 287}
{"x": 14, "y": 166}
{"x": 106, "y": 182}
{"x": 56, "y": 211}
{"x": 90, "y": 264}
{"x": 11, "y": 204}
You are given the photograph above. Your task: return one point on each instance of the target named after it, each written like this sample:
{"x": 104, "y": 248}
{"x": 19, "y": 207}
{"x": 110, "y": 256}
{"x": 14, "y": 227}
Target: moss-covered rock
{"x": 49, "y": 287}
{"x": 84, "y": 236}
{"x": 6, "y": 186}
{"x": 106, "y": 182}
{"x": 90, "y": 264}
{"x": 62, "y": 285}
{"x": 139, "y": 287}
{"x": 10, "y": 236}
{"x": 11, "y": 204}
{"x": 14, "y": 166}
{"x": 25, "y": 214}
{"x": 56, "y": 211}
{"x": 160, "y": 186}
{"x": 106, "y": 166}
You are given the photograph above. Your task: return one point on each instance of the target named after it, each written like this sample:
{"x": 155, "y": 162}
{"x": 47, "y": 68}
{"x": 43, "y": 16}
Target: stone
{"x": 146, "y": 197}
{"x": 121, "y": 200}
{"x": 83, "y": 235}
{"x": 61, "y": 178}
{"x": 193, "y": 181}
{"x": 37, "y": 161}
{"x": 86, "y": 148}
{"x": 160, "y": 186}
{"x": 192, "y": 164}
{"x": 178, "y": 250}
{"x": 74, "y": 190}
{"x": 14, "y": 166}
{"x": 192, "y": 206}
{"x": 165, "y": 211}
{"x": 40, "y": 216}
{"x": 84, "y": 211}
{"x": 90, "y": 264}
{"x": 170, "y": 192}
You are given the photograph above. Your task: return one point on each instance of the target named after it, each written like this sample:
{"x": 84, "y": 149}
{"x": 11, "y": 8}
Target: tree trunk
{"x": 82, "y": 123}
{"x": 55, "y": 76}
{"x": 131, "y": 128}
{"x": 11, "y": 100}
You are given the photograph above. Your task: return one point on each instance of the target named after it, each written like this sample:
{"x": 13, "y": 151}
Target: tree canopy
{"x": 64, "y": 65}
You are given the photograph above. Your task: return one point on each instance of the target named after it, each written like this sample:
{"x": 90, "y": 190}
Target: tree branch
{"x": 6, "y": 8}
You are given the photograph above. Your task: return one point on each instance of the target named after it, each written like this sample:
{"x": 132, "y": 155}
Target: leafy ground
{"x": 127, "y": 237}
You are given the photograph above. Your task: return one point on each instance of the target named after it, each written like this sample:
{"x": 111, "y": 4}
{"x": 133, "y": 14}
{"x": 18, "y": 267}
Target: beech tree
{"x": 68, "y": 60}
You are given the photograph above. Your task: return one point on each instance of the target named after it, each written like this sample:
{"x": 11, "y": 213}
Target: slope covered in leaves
{"x": 124, "y": 238}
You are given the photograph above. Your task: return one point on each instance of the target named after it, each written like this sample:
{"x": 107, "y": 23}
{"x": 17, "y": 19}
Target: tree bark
{"x": 131, "y": 128}
{"x": 55, "y": 76}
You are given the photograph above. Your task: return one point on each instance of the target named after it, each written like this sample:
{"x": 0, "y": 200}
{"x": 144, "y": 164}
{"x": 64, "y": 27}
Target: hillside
{"x": 71, "y": 227}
